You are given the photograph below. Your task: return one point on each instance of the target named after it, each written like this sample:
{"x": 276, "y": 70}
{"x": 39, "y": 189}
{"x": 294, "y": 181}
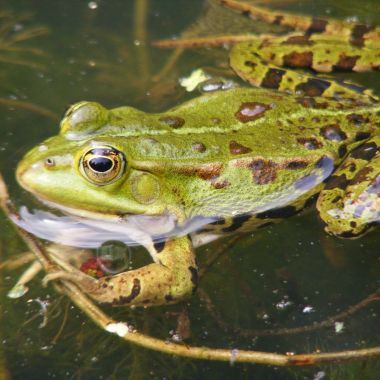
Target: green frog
{"x": 228, "y": 161}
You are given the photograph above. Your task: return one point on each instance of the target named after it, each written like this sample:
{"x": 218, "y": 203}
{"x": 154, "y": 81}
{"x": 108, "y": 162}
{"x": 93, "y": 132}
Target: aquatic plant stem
{"x": 127, "y": 333}
{"x": 328, "y": 322}
{"x": 30, "y": 107}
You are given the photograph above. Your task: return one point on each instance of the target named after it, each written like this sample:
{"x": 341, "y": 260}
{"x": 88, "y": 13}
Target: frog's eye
{"x": 102, "y": 165}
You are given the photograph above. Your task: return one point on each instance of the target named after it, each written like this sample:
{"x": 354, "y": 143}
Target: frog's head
{"x": 87, "y": 171}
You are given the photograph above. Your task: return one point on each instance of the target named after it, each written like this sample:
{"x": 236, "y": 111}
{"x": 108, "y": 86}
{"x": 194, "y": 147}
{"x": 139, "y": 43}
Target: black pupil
{"x": 100, "y": 164}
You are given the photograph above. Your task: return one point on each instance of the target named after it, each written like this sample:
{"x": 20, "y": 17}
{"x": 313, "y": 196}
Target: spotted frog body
{"x": 223, "y": 162}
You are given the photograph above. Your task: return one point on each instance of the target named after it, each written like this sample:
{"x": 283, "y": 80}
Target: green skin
{"x": 242, "y": 158}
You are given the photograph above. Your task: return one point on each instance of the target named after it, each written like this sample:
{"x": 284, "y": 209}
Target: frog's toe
{"x": 86, "y": 283}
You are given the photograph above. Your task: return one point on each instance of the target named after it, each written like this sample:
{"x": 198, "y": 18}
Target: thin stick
{"x": 123, "y": 330}
{"x": 169, "y": 64}
{"x": 196, "y": 42}
{"x": 29, "y": 107}
{"x": 18, "y": 261}
{"x": 140, "y": 35}
{"x": 330, "y": 321}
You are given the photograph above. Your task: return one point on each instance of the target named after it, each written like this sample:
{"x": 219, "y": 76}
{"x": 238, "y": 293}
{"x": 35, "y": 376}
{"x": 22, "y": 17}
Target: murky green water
{"x": 286, "y": 276}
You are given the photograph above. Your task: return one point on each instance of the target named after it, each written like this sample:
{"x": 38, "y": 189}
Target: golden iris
{"x": 102, "y": 165}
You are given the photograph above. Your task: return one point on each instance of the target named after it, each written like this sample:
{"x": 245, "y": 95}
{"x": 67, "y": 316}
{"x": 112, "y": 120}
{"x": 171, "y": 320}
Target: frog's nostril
{"x": 49, "y": 162}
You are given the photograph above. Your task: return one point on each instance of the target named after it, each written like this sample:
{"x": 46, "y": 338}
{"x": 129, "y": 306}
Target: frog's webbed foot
{"x": 172, "y": 277}
{"x": 350, "y": 202}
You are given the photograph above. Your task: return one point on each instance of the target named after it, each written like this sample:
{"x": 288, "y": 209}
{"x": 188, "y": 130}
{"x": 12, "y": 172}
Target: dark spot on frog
{"x": 159, "y": 246}
{"x": 342, "y": 150}
{"x": 357, "y": 119}
{"x": 246, "y": 13}
{"x": 333, "y": 133}
{"x": 353, "y": 224}
{"x": 263, "y": 171}
{"x": 250, "y": 64}
{"x": 317, "y": 25}
{"x": 236, "y": 148}
{"x": 216, "y": 120}
{"x": 295, "y": 59}
{"x": 311, "y": 103}
{"x": 337, "y": 182}
{"x": 199, "y": 147}
{"x": 298, "y": 40}
{"x": 362, "y": 175}
{"x": 346, "y": 62}
{"x": 336, "y": 199}
{"x": 273, "y": 78}
{"x": 362, "y": 136}
{"x": 250, "y": 111}
{"x": 283, "y": 212}
{"x": 219, "y": 184}
{"x": 298, "y": 164}
{"x": 316, "y": 119}
{"x": 301, "y": 119}
{"x": 314, "y": 87}
{"x": 278, "y": 19}
{"x": 365, "y": 152}
{"x": 172, "y": 121}
{"x": 357, "y": 34}
{"x": 169, "y": 298}
{"x": 136, "y": 288}
{"x": 351, "y": 167}
{"x": 310, "y": 143}
{"x": 206, "y": 172}
{"x": 237, "y": 222}
{"x": 194, "y": 277}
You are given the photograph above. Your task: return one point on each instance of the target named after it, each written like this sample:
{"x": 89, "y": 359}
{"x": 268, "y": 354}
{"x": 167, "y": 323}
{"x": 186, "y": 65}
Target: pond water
{"x": 286, "y": 276}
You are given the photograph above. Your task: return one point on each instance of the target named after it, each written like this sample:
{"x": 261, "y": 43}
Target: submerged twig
{"x": 127, "y": 333}
{"x": 140, "y": 35}
{"x": 328, "y": 322}
{"x": 196, "y": 42}
{"x": 29, "y": 107}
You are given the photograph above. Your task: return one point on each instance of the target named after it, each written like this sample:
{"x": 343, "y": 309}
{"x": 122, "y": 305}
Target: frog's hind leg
{"x": 350, "y": 202}
{"x": 321, "y": 53}
{"x": 354, "y": 33}
{"x": 172, "y": 277}
{"x": 248, "y": 63}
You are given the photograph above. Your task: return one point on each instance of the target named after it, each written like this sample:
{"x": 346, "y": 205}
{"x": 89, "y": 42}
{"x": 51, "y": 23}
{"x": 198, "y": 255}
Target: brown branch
{"x": 130, "y": 335}
{"x": 330, "y": 321}
{"x": 197, "y": 42}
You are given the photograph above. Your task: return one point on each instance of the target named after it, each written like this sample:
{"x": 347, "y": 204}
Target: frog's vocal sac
{"x": 226, "y": 161}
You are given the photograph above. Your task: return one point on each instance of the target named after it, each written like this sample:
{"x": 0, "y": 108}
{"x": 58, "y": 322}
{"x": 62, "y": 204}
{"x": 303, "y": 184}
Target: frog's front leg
{"x": 172, "y": 277}
{"x": 350, "y": 202}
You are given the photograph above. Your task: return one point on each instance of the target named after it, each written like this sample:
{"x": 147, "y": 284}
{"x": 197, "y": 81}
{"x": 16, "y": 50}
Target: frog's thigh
{"x": 171, "y": 278}
{"x": 350, "y": 202}
{"x": 247, "y": 62}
